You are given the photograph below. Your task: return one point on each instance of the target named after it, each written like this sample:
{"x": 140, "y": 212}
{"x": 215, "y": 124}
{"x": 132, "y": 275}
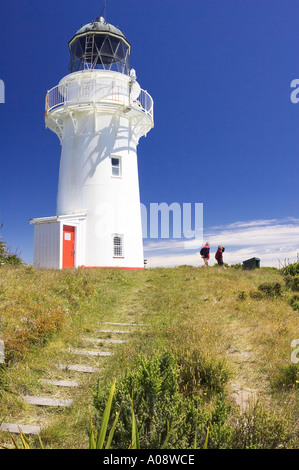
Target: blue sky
{"x": 226, "y": 131}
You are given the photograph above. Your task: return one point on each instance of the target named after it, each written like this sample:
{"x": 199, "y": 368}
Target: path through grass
{"x": 47, "y": 314}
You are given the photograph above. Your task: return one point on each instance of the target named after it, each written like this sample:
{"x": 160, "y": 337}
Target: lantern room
{"x": 99, "y": 45}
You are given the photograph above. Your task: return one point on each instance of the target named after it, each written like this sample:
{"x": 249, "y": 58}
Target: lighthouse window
{"x": 116, "y": 166}
{"x": 118, "y": 251}
{"x": 93, "y": 50}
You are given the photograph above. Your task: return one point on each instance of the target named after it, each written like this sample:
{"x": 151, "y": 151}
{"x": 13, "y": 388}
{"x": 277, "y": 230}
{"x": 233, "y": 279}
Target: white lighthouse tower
{"x": 99, "y": 112}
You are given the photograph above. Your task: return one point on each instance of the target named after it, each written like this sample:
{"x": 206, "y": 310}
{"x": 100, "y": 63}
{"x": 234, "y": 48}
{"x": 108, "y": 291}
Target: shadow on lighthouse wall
{"x": 114, "y": 138}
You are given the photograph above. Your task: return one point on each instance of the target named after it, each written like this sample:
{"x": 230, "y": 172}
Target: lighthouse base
{"x": 60, "y": 243}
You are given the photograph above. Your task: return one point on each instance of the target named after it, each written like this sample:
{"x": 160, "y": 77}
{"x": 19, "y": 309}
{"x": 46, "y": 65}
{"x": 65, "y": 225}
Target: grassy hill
{"x": 229, "y": 333}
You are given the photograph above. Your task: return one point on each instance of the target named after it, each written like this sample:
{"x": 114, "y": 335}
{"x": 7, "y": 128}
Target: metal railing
{"x": 92, "y": 91}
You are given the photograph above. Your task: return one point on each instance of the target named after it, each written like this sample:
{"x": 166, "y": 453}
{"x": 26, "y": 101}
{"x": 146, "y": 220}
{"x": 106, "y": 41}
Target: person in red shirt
{"x": 205, "y": 254}
{"x": 219, "y": 256}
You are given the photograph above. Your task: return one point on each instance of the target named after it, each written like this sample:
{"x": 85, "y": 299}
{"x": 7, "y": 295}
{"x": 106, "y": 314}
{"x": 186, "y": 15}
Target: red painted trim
{"x": 107, "y": 267}
{"x": 118, "y": 257}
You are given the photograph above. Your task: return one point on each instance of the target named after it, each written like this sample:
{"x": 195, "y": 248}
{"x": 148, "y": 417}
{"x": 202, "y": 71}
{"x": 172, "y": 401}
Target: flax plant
{"x": 97, "y": 442}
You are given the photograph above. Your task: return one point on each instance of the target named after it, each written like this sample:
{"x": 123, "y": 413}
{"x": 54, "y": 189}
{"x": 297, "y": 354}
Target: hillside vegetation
{"x": 212, "y": 346}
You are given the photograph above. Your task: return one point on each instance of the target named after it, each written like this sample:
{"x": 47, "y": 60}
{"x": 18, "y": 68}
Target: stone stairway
{"x": 58, "y": 402}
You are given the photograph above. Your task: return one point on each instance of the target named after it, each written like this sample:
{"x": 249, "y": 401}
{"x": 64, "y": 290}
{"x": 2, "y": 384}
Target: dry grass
{"x": 217, "y": 314}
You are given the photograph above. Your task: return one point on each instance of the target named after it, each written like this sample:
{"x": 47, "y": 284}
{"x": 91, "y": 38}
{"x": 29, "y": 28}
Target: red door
{"x": 68, "y": 247}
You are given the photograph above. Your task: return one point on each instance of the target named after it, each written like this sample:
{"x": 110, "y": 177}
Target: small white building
{"x": 99, "y": 112}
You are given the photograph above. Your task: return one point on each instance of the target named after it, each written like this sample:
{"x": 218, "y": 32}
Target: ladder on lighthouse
{"x": 89, "y": 52}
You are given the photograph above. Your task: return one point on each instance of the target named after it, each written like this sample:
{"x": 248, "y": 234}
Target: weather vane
{"x": 104, "y": 9}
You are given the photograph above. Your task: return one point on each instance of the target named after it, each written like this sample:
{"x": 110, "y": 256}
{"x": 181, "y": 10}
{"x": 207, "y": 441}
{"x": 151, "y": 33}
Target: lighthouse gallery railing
{"x": 94, "y": 92}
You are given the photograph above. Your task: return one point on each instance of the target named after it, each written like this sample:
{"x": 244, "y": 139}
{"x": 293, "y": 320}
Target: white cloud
{"x": 270, "y": 240}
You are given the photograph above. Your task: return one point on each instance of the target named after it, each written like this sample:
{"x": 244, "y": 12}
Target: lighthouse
{"x": 99, "y": 112}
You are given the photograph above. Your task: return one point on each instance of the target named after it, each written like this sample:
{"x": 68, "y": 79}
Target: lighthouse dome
{"x": 100, "y": 25}
{"x": 99, "y": 44}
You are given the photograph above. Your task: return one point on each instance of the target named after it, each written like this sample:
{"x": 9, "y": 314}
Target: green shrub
{"x": 166, "y": 417}
{"x": 256, "y": 295}
{"x": 171, "y": 414}
{"x": 236, "y": 266}
{"x": 286, "y": 377}
{"x": 220, "y": 428}
{"x": 291, "y": 269}
{"x": 266, "y": 289}
{"x": 271, "y": 289}
{"x": 202, "y": 374}
{"x": 242, "y": 295}
{"x": 294, "y": 302}
{"x": 6, "y": 257}
{"x": 13, "y": 260}
{"x": 292, "y": 282}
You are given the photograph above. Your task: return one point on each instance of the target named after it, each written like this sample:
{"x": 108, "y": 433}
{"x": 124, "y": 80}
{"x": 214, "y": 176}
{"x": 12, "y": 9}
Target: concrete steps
{"x": 54, "y": 402}
{"x": 79, "y": 368}
{"x": 115, "y": 331}
{"x": 108, "y": 341}
{"x": 46, "y": 401}
{"x": 18, "y": 428}
{"x": 60, "y": 383}
{"x": 86, "y": 352}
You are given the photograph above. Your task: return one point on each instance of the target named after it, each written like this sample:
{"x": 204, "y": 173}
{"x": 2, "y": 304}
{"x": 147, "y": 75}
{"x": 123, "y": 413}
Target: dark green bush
{"x": 292, "y": 282}
{"x": 12, "y": 259}
{"x": 271, "y": 289}
{"x": 236, "y": 266}
{"x": 6, "y": 257}
{"x": 256, "y": 295}
{"x": 242, "y": 295}
{"x": 171, "y": 414}
{"x": 220, "y": 429}
{"x": 202, "y": 374}
{"x": 267, "y": 289}
{"x": 167, "y": 417}
{"x": 290, "y": 270}
{"x": 294, "y": 302}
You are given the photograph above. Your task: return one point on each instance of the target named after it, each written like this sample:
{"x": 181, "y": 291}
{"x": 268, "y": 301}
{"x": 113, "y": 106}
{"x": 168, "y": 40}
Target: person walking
{"x": 219, "y": 256}
{"x": 205, "y": 254}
